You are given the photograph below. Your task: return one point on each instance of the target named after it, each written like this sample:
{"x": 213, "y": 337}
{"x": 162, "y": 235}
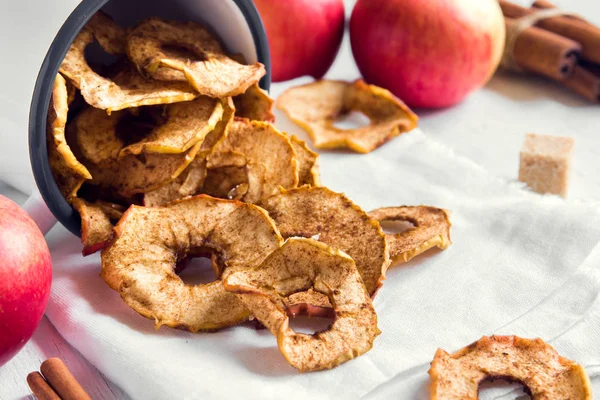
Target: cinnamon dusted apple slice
{"x": 150, "y": 242}
{"x": 186, "y": 51}
{"x": 431, "y": 229}
{"x": 337, "y": 221}
{"x": 68, "y": 172}
{"x": 533, "y": 363}
{"x": 194, "y": 178}
{"x": 254, "y": 104}
{"x": 97, "y": 222}
{"x": 185, "y": 124}
{"x": 317, "y": 106}
{"x": 128, "y": 88}
{"x": 298, "y": 265}
{"x": 270, "y": 159}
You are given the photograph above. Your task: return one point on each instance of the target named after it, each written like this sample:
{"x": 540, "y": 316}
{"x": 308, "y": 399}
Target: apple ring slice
{"x": 67, "y": 171}
{"x": 336, "y": 221}
{"x": 254, "y": 104}
{"x": 176, "y": 51}
{"x": 533, "y": 363}
{"x": 128, "y": 88}
{"x": 298, "y": 265}
{"x": 269, "y": 157}
{"x": 149, "y": 242}
{"x": 431, "y": 229}
{"x": 316, "y": 106}
{"x": 96, "y": 223}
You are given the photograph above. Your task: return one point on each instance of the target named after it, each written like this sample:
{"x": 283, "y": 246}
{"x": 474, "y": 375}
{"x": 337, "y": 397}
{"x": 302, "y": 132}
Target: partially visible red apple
{"x": 304, "y": 35}
{"x": 25, "y": 278}
{"x": 430, "y": 53}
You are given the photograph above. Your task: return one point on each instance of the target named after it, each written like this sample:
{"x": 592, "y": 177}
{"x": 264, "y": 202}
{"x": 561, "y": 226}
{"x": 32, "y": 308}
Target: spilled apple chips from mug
{"x": 171, "y": 153}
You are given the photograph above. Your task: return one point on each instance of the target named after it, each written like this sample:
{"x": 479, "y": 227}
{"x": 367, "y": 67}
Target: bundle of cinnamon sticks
{"x": 55, "y": 382}
{"x": 564, "y": 48}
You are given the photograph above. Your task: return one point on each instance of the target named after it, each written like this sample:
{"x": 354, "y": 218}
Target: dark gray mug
{"x": 236, "y": 22}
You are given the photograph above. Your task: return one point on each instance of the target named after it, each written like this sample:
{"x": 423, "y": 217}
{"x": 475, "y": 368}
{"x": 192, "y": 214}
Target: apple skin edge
{"x": 429, "y": 53}
{"x": 304, "y": 35}
{"x": 25, "y": 278}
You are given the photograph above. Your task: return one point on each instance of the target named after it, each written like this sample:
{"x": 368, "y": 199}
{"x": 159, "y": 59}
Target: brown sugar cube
{"x": 546, "y": 163}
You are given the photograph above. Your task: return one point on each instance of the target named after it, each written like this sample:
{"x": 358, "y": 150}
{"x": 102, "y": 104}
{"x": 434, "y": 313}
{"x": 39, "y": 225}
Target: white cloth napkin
{"x": 520, "y": 264}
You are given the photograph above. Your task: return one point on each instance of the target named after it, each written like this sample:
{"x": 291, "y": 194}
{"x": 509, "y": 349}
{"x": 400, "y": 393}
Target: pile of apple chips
{"x": 170, "y": 153}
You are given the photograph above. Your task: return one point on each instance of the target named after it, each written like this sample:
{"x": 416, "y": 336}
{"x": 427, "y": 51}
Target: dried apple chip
{"x": 270, "y": 158}
{"x": 298, "y": 265}
{"x": 185, "y": 125}
{"x": 68, "y": 172}
{"x": 96, "y": 223}
{"x": 533, "y": 363}
{"x": 254, "y": 104}
{"x": 316, "y": 106}
{"x": 161, "y": 47}
{"x": 193, "y": 179}
{"x": 150, "y": 241}
{"x": 431, "y": 229}
{"x": 100, "y": 142}
{"x": 128, "y": 88}
{"x": 308, "y": 163}
{"x": 130, "y": 175}
{"x": 337, "y": 221}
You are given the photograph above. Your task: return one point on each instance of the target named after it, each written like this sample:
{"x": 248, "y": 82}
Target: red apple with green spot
{"x": 25, "y": 278}
{"x": 430, "y": 53}
{"x": 304, "y": 35}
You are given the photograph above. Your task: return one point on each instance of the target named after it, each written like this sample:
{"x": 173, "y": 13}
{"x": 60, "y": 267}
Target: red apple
{"x": 25, "y": 277}
{"x": 430, "y": 53}
{"x": 304, "y": 35}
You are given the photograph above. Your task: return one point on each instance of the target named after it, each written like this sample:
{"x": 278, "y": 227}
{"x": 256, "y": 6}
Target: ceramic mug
{"x": 236, "y": 22}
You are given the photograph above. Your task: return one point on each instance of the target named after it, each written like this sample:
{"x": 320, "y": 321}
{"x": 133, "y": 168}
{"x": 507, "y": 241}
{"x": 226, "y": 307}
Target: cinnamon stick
{"x": 546, "y": 5}
{"x": 586, "y": 34}
{"x": 62, "y": 381}
{"x": 544, "y": 53}
{"x": 543, "y": 4}
{"x": 40, "y": 388}
{"x": 585, "y": 81}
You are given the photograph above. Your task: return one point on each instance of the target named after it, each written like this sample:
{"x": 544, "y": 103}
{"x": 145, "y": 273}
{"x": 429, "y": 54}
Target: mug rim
{"x": 38, "y": 155}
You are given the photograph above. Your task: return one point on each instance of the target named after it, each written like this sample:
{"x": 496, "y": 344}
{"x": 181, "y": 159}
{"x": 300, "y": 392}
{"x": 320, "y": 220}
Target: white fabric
{"x": 517, "y": 266}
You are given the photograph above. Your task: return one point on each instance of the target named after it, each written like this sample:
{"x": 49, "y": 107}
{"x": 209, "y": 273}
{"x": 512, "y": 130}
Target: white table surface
{"x": 489, "y": 128}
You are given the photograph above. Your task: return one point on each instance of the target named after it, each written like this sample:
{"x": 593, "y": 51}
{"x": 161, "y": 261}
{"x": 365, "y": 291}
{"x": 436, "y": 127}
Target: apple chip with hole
{"x": 316, "y": 106}
{"x": 298, "y": 265}
{"x": 150, "y": 241}
{"x": 335, "y": 220}
{"x": 128, "y": 88}
{"x": 254, "y": 104}
{"x": 533, "y": 363}
{"x": 431, "y": 229}
{"x": 308, "y": 163}
{"x": 186, "y": 51}
{"x": 67, "y": 171}
{"x": 268, "y": 155}
{"x": 97, "y": 222}
{"x": 102, "y": 137}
